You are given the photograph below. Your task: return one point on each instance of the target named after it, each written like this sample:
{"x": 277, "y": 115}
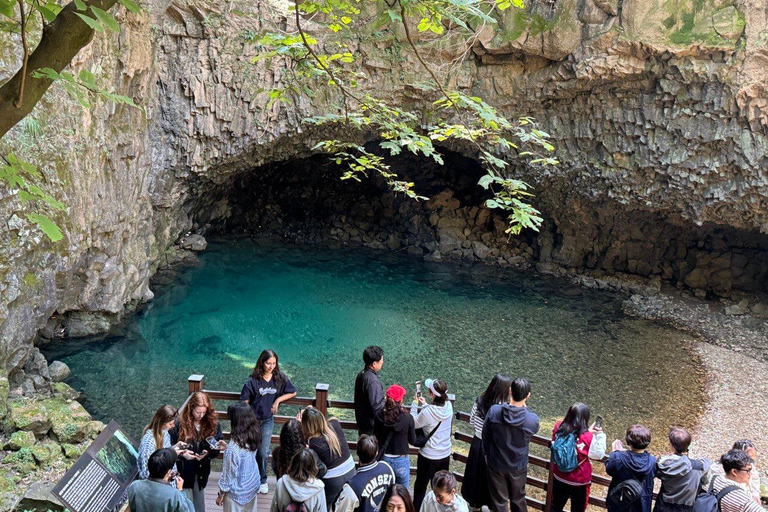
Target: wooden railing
{"x": 322, "y": 403}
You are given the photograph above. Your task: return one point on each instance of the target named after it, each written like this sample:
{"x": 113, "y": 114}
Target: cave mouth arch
{"x": 303, "y": 199}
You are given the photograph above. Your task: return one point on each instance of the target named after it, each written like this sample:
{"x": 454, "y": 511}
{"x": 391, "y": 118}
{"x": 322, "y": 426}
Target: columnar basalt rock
{"x": 658, "y": 107}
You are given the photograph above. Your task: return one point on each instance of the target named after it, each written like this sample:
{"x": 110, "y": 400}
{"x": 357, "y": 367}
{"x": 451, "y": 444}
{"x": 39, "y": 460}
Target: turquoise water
{"x": 318, "y": 309}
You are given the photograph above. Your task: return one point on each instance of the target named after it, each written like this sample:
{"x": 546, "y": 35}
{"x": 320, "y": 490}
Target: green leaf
{"x": 47, "y": 11}
{"x": 48, "y": 227}
{"x": 486, "y": 181}
{"x": 94, "y": 24}
{"x": 88, "y": 80}
{"x": 131, "y": 6}
{"x": 106, "y": 19}
{"x": 80, "y": 5}
{"x": 6, "y": 8}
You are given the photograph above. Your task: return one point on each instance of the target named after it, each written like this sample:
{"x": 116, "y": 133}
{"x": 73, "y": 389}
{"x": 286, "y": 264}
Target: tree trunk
{"x": 61, "y": 40}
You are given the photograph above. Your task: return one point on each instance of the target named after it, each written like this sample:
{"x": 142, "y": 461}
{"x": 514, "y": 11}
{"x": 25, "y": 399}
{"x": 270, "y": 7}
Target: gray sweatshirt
{"x": 311, "y": 494}
{"x": 680, "y": 482}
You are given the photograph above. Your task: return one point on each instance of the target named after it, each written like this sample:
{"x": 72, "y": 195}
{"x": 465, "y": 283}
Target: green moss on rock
{"x": 46, "y": 453}
{"x": 65, "y": 391}
{"x": 67, "y": 419}
{"x": 30, "y": 415}
{"x": 22, "y": 461}
{"x": 21, "y": 439}
{"x": 72, "y": 451}
{"x": 4, "y": 388}
{"x": 6, "y": 484}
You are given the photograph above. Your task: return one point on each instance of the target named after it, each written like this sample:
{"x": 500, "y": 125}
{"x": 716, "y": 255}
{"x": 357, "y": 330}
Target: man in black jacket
{"x": 507, "y": 431}
{"x": 369, "y": 393}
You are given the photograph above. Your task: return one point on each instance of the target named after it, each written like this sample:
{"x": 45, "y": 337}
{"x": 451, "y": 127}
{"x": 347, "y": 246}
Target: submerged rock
{"x": 741, "y": 308}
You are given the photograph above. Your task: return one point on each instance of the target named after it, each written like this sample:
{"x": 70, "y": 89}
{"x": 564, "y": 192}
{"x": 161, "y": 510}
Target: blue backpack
{"x": 563, "y": 451}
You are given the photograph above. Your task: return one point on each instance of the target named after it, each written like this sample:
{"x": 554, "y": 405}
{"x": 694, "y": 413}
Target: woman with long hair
{"x": 435, "y": 419}
{"x": 474, "y": 489}
{"x": 156, "y": 436}
{"x": 300, "y": 484}
{"x": 264, "y": 390}
{"x": 327, "y": 440}
{"x": 291, "y": 441}
{"x": 239, "y": 481}
{"x": 397, "y": 499}
{"x": 197, "y": 422}
{"x": 395, "y": 430}
{"x": 590, "y": 443}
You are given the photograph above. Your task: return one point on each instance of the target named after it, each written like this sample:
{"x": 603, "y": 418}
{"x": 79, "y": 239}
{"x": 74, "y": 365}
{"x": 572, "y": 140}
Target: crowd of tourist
{"x": 316, "y": 472}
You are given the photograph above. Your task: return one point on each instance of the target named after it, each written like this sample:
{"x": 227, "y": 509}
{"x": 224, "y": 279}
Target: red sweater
{"x": 582, "y": 475}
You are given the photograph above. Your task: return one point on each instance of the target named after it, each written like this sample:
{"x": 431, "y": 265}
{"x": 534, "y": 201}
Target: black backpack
{"x": 625, "y": 494}
{"x": 709, "y": 501}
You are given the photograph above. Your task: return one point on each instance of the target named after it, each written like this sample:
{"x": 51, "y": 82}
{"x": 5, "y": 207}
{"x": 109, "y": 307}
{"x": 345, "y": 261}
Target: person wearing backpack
{"x": 299, "y": 489}
{"x": 573, "y": 445}
{"x": 681, "y": 478}
{"x": 731, "y": 488}
{"x": 632, "y": 471}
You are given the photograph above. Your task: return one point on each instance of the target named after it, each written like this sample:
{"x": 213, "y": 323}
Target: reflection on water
{"x": 319, "y": 308}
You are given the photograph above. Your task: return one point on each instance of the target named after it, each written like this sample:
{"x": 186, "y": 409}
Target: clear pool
{"x": 318, "y": 308}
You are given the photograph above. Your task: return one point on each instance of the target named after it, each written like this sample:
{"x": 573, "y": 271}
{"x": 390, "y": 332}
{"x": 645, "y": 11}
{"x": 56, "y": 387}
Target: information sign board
{"x": 98, "y": 480}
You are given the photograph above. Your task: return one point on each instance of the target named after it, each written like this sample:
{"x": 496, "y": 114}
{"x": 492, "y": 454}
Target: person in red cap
{"x": 395, "y": 429}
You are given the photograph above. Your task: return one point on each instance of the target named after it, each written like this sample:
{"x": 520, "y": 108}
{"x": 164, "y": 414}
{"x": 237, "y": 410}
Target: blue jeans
{"x": 263, "y": 453}
{"x": 402, "y": 467}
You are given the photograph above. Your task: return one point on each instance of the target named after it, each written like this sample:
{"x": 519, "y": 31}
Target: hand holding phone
{"x": 212, "y": 442}
{"x": 599, "y": 422}
{"x": 418, "y": 389}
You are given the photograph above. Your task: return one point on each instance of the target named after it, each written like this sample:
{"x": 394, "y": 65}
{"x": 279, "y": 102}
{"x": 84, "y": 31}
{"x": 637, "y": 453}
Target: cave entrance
{"x": 609, "y": 244}
{"x": 305, "y": 200}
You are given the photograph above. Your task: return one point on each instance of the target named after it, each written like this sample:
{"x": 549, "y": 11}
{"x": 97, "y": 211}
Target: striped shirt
{"x": 739, "y": 500}
{"x": 240, "y": 474}
{"x": 476, "y": 421}
{"x": 147, "y": 447}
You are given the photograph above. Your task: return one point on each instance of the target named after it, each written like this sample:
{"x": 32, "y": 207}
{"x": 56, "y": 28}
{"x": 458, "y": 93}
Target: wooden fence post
{"x": 550, "y": 485}
{"x": 195, "y": 383}
{"x": 321, "y": 398}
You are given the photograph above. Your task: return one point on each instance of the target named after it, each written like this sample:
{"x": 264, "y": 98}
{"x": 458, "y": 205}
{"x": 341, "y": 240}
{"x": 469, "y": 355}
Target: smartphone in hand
{"x": 599, "y": 422}
{"x": 212, "y": 442}
{"x": 418, "y": 389}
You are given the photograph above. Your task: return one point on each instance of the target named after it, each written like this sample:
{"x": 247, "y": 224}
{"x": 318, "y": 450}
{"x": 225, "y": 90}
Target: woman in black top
{"x": 396, "y": 431}
{"x": 264, "y": 391}
{"x": 197, "y": 422}
{"x": 474, "y": 488}
{"x": 327, "y": 439}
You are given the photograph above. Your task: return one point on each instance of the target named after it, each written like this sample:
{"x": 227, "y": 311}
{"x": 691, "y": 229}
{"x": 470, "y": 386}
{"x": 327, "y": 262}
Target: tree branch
{"x": 345, "y": 94}
{"x": 61, "y": 40}
{"x": 25, "y": 48}
{"x": 418, "y": 56}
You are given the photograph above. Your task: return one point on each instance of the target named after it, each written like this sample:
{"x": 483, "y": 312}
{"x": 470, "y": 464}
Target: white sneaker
{"x": 263, "y": 488}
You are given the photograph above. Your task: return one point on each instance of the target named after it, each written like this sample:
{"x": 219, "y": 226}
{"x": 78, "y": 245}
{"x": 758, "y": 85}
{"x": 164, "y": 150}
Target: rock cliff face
{"x": 658, "y": 108}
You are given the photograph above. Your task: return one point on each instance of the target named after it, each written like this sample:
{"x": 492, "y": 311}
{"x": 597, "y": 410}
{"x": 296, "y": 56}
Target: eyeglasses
{"x": 748, "y": 470}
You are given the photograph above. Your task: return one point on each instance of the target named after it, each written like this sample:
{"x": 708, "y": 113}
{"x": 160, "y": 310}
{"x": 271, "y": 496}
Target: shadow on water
{"x": 318, "y": 308}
